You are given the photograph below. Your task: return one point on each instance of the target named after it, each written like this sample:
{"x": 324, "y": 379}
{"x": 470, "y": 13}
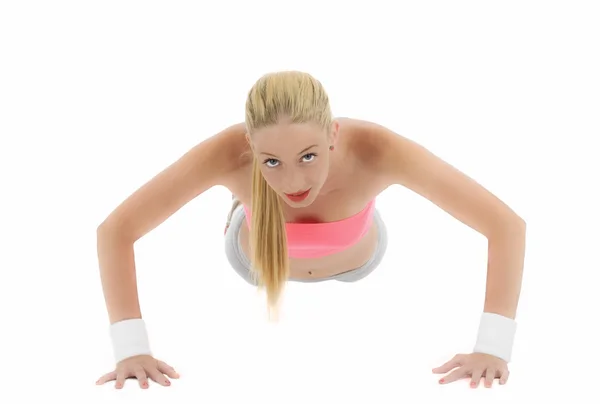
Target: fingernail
{"x": 472, "y": 384}
{"x": 441, "y": 380}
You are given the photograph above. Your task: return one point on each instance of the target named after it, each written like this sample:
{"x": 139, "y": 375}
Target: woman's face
{"x": 294, "y": 159}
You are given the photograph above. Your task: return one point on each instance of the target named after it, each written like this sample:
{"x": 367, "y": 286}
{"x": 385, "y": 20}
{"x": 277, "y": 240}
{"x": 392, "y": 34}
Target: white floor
{"x": 97, "y": 100}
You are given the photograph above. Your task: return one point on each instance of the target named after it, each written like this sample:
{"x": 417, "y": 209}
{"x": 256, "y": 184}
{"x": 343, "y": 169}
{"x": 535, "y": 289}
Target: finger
{"x": 454, "y": 376}
{"x": 158, "y": 377}
{"x": 448, "y": 366}
{"x": 490, "y": 375}
{"x": 476, "y": 377}
{"x": 120, "y": 379}
{"x": 504, "y": 377}
{"x": 168, "y": 370}
{"x": 107, "y": 377}
{"x": 140, "y": 374}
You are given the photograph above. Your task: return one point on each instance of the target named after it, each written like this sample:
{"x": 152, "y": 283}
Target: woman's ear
{"x": 333, "y": 133}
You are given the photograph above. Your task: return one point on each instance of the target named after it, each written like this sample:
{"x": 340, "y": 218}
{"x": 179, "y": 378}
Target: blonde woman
{"x": 305, "y": 185}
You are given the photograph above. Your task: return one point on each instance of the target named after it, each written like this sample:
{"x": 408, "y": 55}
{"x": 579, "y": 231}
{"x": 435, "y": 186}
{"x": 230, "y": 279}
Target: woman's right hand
{"x": 140, "y": 367}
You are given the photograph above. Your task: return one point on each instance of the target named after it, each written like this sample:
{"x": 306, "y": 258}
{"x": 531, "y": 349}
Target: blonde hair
{"x": 298, "y": 98}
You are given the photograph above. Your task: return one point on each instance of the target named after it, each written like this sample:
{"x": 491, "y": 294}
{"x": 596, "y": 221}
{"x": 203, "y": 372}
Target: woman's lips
{"x": 297, "y": 197}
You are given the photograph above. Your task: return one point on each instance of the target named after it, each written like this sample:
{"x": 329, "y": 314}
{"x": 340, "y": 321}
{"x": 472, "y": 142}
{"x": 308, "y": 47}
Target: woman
{"x": 304, "y": 187}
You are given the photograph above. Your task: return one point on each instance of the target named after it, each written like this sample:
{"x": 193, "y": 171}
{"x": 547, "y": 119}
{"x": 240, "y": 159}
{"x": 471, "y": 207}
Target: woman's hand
{"x": 475, "y": 366}
{"x": 140, "y": 367}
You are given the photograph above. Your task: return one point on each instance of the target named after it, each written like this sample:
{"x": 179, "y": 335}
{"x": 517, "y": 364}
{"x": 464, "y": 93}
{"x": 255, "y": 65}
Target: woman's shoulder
{"x": 236, "y": 154}
{"x": 364, "y": 139}
{"x": 233, "y": 145}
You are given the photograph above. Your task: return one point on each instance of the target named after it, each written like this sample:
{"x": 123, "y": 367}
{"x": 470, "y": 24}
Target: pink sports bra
{"x": 313, "y": 240}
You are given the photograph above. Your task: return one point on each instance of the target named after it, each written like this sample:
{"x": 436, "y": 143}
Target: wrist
{"x": 129, "y": 338}
{"x": 496, "y": 335}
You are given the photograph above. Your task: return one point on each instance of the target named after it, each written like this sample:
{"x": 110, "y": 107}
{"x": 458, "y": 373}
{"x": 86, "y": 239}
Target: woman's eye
{"x": 307, "y": 158}
{"x": 271, "y": 162}
{"x": 311, "y": 157}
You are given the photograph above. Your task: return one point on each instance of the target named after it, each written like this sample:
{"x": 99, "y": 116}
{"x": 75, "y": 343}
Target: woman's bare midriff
{"x": 353, "y": 187}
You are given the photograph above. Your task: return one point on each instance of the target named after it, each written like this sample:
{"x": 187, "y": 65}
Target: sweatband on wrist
{"x": 129, "y": 338}
{"x": 496, "y": 336}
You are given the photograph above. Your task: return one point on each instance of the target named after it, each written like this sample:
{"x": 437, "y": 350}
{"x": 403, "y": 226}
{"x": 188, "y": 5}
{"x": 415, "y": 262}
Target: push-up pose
{"x": 304, "y": 186}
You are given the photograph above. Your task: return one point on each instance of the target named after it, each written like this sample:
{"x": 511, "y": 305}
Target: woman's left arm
{"x": 413, "y": 166}
{"x": 409, "y": 164}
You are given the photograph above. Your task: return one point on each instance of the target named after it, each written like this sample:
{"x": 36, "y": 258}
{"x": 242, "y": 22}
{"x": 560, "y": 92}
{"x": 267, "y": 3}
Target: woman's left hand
{"x": 476, "y": 365}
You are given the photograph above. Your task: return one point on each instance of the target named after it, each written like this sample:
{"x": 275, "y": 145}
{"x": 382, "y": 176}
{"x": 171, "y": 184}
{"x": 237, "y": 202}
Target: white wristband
{"x": 129, "y": 338}
{"x": 496, "y": 336}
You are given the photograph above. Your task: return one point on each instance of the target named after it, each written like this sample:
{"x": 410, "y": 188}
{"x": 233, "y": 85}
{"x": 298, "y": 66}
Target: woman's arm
{"x": 208, "y": 164}
{"x": 409, "y": 164}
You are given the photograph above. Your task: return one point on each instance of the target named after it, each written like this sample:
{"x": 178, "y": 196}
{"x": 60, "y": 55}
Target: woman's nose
{"x": 294, "y": 182}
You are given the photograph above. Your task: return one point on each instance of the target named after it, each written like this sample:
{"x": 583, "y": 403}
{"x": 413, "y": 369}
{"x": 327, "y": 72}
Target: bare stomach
{"x": 323, "y": 267}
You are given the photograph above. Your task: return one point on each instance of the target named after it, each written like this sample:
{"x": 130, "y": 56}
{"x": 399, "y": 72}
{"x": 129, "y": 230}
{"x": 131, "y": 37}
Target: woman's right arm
{"x": 207, "y": 164}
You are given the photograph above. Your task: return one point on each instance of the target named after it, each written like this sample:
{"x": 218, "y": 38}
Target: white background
{"x": 98, "y": 97}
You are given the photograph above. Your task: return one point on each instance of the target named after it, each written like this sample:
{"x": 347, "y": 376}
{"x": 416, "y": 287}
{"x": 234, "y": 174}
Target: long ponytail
{"x": 268, "y": 241}
{"x": 297, "y": 97}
